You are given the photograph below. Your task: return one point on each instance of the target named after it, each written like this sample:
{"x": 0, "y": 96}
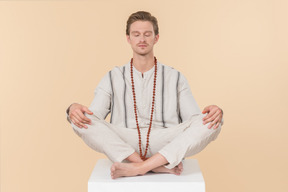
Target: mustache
{"x": 142, "y": 44}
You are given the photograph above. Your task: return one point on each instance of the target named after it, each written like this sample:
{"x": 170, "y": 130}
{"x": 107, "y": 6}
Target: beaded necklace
{"x": 143, "y": 157}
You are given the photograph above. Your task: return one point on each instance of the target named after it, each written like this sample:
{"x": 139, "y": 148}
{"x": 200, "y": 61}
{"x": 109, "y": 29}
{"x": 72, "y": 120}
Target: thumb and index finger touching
{"x": 205, "y": 110}
{"x": 208, "y": 109}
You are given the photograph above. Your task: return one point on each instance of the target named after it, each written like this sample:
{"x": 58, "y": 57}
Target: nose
{"x": 142, "y": 38}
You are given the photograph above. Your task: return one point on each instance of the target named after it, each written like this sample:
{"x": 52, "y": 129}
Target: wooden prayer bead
{"x": 143, "y": 157}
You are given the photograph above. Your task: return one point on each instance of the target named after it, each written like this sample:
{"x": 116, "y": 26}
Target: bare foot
{"x": 126, "y": 169}
{"x": 180, "y": 166}
{"x": 176, "y": 170}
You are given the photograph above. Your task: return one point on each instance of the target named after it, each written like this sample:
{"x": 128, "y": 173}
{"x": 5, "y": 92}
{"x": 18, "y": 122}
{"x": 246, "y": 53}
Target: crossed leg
{"x": 117, "y": 143}
{"x": 175, "y": 143}
{"x": 193, "y": 138}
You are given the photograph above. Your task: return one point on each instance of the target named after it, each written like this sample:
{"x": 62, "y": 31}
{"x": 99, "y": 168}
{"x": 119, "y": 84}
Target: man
{"x": 155, "y": 121}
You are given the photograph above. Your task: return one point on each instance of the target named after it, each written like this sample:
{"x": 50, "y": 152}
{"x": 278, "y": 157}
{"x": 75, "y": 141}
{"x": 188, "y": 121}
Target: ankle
{"x": 142, "y": 168}
{"x": 134, "y": 158}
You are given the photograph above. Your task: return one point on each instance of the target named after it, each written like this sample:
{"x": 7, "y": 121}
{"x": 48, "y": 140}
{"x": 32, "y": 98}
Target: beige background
{"x": 53, "y": 53}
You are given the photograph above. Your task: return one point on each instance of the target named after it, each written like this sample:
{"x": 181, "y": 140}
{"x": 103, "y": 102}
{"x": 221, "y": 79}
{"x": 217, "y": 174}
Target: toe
{"x": 112, "y": 169}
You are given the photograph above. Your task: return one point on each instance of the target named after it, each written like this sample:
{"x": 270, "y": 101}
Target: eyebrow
{"x": 139, "y": 32}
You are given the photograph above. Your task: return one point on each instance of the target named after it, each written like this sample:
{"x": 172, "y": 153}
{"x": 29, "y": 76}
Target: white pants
{"x": 174, "y": 143}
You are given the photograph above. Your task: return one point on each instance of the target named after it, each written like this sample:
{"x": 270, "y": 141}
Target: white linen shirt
{"x": 174, "y": 102}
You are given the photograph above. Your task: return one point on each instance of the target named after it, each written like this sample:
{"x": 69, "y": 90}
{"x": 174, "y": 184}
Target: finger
{"x": 73, "y": 120}
{"x": 214, "y": 114}
{"x": 76, "y": 116}
{"x": 214, "y": 122}
{"x": 82, "y": 125}
{"x": 211, "y": 112}
{"x": 79, "y": 124}
{"x": 84, "y": 119}
{"x": 78, "y": 120}
{"x": 208, "y": 117}
{"x": 75, "y": 123}
{"x": 85, "y": 109}
{"x": 217, "y": 125}
{"x": 206, "y": 109}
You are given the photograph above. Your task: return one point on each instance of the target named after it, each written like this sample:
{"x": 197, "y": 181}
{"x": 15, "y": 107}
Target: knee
{"x": 213, "y": 133}
{"x": 95, "y": 122}
{"x": 200, "y": 120}
{"x": 77, "y": 130}
{"x": 91, "y": 135}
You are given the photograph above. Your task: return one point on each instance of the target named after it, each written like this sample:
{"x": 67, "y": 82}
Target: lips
{"x": 142, "y": 45}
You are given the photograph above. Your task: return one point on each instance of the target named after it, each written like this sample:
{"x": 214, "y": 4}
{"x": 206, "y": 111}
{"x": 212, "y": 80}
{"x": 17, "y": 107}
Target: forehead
{"x": 141, "y": 26}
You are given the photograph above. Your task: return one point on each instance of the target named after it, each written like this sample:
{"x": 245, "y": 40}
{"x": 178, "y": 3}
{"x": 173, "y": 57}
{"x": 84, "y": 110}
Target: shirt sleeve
{"x": 222, "y": 120}
{"x": 67, "y": 115}
{"x": 101, "y": 103}
{"x": 187, "y": 103}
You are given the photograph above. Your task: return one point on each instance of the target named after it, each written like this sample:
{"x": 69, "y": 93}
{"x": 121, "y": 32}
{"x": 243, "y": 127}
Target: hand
{"x": 76, "y": 115}
{"x": 214, "y": 115}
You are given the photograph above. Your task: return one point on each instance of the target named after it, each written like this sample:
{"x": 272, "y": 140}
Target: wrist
{"x": 68, "y": 109}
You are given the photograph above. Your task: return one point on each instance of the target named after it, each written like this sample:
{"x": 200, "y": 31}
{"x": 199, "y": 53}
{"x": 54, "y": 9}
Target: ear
{"x": 128, "y": 38}
{"x": 156, "y": 39}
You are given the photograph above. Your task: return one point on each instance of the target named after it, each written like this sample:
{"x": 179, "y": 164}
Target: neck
{"x": 143, "y": 63}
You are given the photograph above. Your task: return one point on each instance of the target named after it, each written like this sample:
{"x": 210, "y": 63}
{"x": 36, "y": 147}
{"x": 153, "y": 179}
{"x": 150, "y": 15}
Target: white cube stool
{"x": 191, "y": 180}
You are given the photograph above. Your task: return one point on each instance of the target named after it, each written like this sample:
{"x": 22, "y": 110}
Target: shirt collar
{"x": 146, "y": 73}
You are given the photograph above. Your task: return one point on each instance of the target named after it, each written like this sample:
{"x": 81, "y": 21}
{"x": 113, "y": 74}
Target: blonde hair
{"x": 142, "y": 16}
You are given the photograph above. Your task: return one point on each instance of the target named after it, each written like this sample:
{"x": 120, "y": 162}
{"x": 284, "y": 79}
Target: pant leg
{"x": 104, "y": 137}
{"x": 183, "y": 140}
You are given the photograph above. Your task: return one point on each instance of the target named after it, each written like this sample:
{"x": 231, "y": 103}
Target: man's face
{"x": 142, "y": 37}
